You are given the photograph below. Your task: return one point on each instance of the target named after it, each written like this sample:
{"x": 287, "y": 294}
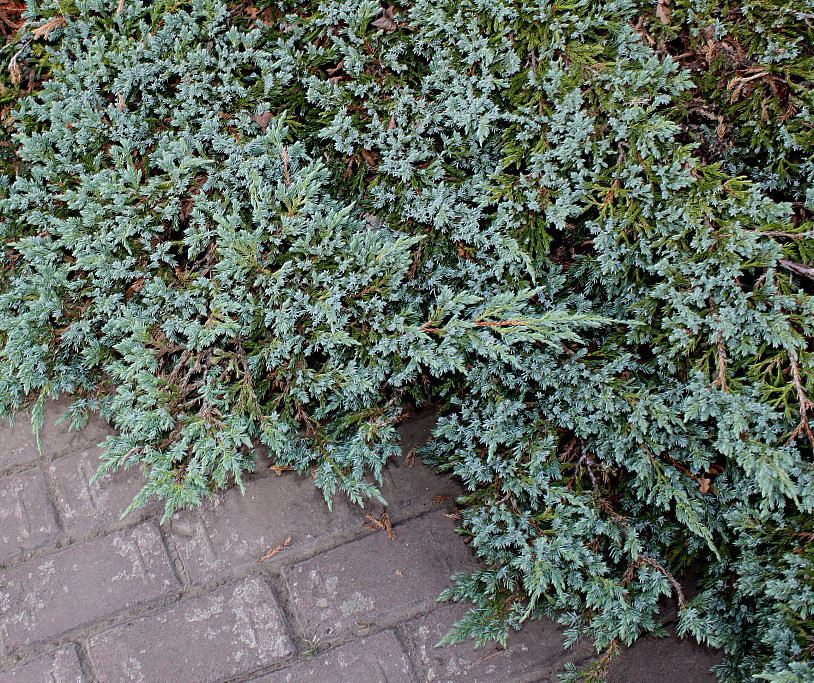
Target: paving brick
{"x": 26, "y": 516}
{"x": 43, "y": 597}
{"x": 377, "y": 659}
{"x": 656, "y": 660}
{"x": 61, "y": 666}
{"x": 410, "y": 487}
{"x": 415, "y": 432}
{"x": 19, "y": 445}
{"x": 375, "y": 579}
{"x": 536, "y": 648}
{"x": 86, "y": 507}
{"x": 232, "y": 630}
{"x": 412, "y": 490}
{"x": 232, "y": 530}
{"x": 58, "y": 440}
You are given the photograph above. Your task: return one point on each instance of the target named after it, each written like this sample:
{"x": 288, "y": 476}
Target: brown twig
{"x": 286, "y": 175}
{"x": 271, "y": 553}
{"x": 797, "y": 268}
{"x": 803, "y": 401}
{"x": 382, "y": 524}
{"x": 650, "y": 562}
{"x": 720, "y": 361}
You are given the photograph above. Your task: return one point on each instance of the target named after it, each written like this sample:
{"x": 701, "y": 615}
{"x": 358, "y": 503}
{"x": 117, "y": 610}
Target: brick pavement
{"x": 88, "y": 596}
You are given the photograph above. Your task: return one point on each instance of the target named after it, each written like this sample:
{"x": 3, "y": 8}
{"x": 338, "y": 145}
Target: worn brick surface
{"x": 233, "y": 529}
{"x": 376, "y": 579}
{"x": 61, "y": 666}
{"x": 26, "y": 516}
{"x": 43, "y": 597}
{"x": 231, "y": 630}
{"x": 58, "y": 439}
{"x": 415, "y": 432}
{"x": 377, "y": 659}
{"x": 411, "y": 490}
{"x": 659, "y": 660}
{"x": 19, "y": 446}
{"x": 534, "y": 651}
{"x": 343, "y": 594}
{"x": 86, "y": 507}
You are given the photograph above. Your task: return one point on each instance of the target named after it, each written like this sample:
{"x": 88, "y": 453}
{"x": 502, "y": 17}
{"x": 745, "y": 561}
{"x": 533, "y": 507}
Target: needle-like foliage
{"x": 580, "y": 230}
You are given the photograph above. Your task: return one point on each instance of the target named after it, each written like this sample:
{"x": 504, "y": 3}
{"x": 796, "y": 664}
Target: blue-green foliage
{"x": 579, "y": 231}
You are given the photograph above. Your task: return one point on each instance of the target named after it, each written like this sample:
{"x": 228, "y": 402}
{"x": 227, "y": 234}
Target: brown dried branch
{"x": 286, "y": 175}
{"x": 650, "y": 562}
{"x": 797, "y": 268}
{"x": 720, "y": 361}
{"x": 803, "y": 401}
{"x": 45, "y": 30}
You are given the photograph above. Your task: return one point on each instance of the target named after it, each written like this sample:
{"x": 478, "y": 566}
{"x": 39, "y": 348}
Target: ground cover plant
{"x": 579, "y": 231}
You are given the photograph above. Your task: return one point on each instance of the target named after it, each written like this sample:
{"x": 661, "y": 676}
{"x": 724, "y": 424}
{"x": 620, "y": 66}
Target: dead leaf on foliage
{"x": 45, "y": 30}
{"x": 286, "y": 174}
{"x": 14, "y": 70}
{"x": 262, "y": 120}
{"x": 663, "y": 11}
{"x": 11, "y": 17}
{"x": 336, "y": 68}
{"x": 369, "y": 158}
{"x": 737, "y": 84}
{"x": 386, "y": 22}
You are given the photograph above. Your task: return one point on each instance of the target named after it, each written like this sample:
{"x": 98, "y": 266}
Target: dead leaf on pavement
{"x": 454, "y": 514}
{"x": 409, "y": 459}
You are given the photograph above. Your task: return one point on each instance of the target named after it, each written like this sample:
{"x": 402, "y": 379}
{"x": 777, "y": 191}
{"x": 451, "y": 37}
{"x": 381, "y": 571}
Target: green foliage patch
{"x": 579, "y": 230}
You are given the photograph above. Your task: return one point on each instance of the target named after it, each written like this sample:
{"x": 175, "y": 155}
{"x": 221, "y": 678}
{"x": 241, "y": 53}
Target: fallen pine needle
{"x": 488, "y": 657}
{"x": 380, "y": 525}
{"x": 271, "y": 553}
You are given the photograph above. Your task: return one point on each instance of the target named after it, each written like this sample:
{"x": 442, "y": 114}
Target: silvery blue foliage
{"x": 577, "y": 231}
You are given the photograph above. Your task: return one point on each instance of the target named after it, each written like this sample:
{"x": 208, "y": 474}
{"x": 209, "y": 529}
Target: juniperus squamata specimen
{"x": 580, "y": 231}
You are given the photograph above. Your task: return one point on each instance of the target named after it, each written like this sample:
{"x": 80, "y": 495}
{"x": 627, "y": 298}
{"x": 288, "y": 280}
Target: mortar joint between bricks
{"x": 86, "y": 662}
{"x": 291, "y": 618}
